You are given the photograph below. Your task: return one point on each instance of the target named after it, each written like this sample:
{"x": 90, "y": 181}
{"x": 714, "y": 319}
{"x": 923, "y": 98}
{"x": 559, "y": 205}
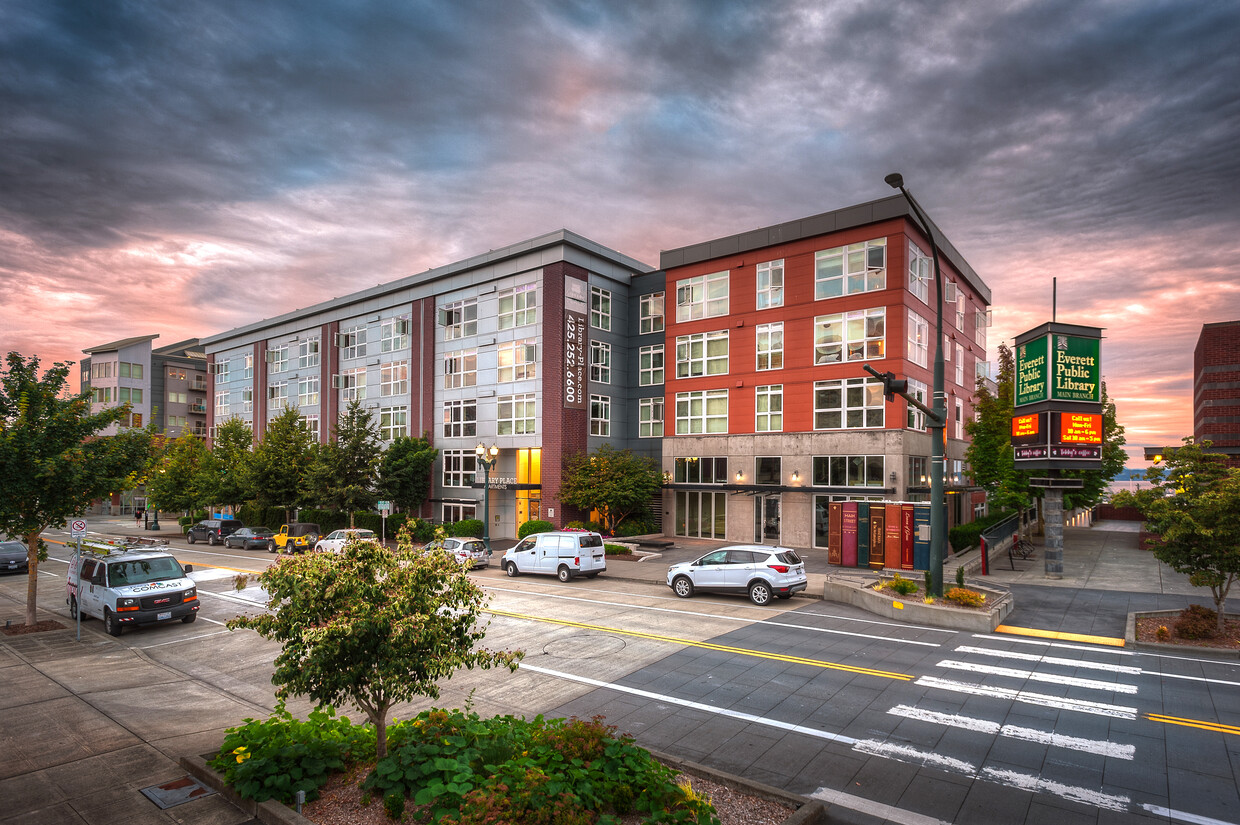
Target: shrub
{"x": 575, "y": 525}
{"x": 466, "y": 528}
{"x": 1197, "y": 622}
{"x": 634, "y": 527}
{"x": 960, "y": 576}
{"x": 535, "y": 526}
{"x": 1162, "y": 634}
{"x": 964, "y": 596}
{"x": 616, "y": 550}
{"x": 903, "y": 586}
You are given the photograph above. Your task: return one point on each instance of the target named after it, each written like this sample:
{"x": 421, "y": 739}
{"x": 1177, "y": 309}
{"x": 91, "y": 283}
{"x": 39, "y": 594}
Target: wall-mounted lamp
{"x": 740, "y": 476}
{"x": 796, "y": 476}
{"x": 893, "y": 476}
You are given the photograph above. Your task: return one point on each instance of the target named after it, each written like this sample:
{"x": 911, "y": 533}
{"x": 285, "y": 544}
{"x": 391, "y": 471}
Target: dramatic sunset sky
{"x": 183, "y": 168}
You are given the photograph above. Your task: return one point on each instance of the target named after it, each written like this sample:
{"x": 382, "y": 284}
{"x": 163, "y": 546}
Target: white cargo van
{"x": 566, "y": 555}
{"x": 130, "y": 588}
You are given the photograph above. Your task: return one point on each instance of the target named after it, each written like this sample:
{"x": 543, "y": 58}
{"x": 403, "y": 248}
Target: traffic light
{"x": 893, "y": 385}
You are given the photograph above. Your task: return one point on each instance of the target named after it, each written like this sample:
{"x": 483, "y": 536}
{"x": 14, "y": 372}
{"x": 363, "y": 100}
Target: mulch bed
{"x": 1147, "y": 631}
{"x": 23, "y": 629}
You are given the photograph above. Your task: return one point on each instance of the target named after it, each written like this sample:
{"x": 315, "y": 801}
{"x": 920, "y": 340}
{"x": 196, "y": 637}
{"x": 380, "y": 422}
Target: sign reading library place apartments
{"x": 1058, "y": 397}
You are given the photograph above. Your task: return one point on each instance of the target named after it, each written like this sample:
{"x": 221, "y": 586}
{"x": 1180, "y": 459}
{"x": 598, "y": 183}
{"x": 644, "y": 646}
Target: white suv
{"x": 757, "y": 569}
{"x": 131, "y": 588}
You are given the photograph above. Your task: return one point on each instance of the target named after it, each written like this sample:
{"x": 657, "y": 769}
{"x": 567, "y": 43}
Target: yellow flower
{"x": 242, "y": 754}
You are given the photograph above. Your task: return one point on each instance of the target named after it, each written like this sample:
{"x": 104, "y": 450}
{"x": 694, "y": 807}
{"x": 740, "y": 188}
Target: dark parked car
{"x": 213, "y": 530}
{"x": 249, "y": 538}
{"x": 13, "y": 558}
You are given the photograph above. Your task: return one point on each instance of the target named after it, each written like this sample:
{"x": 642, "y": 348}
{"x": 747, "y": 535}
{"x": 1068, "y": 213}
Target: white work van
{"x": 130, "y": 588}
{"x": 566, "y": 555}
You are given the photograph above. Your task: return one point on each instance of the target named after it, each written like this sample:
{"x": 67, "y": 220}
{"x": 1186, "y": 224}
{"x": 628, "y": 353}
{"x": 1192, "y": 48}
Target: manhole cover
{"x": 584, "y": 646}
{"x": 176, "y": 792}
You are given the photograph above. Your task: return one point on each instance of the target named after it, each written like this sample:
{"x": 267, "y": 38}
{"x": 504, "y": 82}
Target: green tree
{"x": 405, "y": 472}
{"x": 989, "y": 453}
{"x": 1113, "y": 460}
{"x": 177, "y": 482}
{"x": 232, "y": 450}
{"x": 372, "y": 626}
{"x": 342, "y": 472}
{"x": 616, "y": 483}
{"x": 1193, "y": 510}
{"x": 51, "y": 459}
{"x": 280, "y": 461}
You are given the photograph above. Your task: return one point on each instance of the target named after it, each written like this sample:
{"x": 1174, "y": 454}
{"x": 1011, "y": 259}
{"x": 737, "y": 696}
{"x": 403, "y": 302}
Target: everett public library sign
{"x": 1058, "y": 398}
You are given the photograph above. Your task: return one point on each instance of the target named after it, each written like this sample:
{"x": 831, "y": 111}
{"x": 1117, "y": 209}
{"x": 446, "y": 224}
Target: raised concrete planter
{"x": 1130, "y": 638}
{"x": 859, "y": 592}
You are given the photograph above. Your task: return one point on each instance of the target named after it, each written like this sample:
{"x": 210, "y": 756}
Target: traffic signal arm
{"x": 893, "y": 386}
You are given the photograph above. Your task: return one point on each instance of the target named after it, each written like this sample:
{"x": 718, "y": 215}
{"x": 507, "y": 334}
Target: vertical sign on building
{"x": 1058, "y": 398}
{"x": 576, "y": 343}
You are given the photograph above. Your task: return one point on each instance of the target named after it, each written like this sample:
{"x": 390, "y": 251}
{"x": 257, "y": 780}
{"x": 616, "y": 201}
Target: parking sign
{"x": 77, "y": 528}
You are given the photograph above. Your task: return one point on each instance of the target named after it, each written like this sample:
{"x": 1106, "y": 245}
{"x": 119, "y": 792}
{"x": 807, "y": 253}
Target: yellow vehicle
{"x": 297, "y": 537}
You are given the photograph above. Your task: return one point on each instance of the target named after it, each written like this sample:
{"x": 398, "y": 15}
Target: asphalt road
{"x": 888, "y": 722}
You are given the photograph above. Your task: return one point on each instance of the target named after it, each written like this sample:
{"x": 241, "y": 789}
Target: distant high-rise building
{"x": 1216, "y": 389}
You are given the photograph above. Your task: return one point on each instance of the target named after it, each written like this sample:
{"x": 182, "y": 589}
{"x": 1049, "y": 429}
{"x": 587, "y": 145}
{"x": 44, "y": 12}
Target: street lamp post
{"x": 487, "y": 464}
{"x": 938, "y": 417}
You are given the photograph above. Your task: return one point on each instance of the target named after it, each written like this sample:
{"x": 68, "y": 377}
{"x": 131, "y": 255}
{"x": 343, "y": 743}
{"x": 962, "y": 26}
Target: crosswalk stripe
{"x": 1050, "y": 660}
{"x": 1042, "y": 700}
{"x": 1075, "y": 743}
{"x": 1033, "y": 676}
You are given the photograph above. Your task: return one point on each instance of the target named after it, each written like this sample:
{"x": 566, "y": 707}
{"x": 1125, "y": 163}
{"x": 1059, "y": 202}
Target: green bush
{"x": 963, "y": 536}
{"x": 466, "y": 528}
{"x": 903, "y": 586}
{"x": 1197, "y": 622}
{"x": 960, "y": 576}
{"x": 616, "y": 550}
{"x": 634, "y": 527}
{"x": 964, "y": 596}
{"x": 535, "y": 526}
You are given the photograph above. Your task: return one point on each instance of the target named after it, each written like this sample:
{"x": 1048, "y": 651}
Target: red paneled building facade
{"x": 1216, "y": 389}
{"x": 769, "y": 414}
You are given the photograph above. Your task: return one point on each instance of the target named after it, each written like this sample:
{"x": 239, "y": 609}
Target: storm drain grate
{"x": 177, "y": 792}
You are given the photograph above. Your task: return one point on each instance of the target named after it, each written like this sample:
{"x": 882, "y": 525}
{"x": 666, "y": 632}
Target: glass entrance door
{"x": 766, "y": 519}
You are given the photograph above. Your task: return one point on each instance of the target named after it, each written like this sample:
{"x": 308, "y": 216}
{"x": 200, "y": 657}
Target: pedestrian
{"x": 137, "y": 516}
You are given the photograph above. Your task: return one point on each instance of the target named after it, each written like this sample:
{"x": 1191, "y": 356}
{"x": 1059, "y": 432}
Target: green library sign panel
{"x": 1058, "y": 367}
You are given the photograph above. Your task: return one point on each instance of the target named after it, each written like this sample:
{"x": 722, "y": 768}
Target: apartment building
{"x": 1216, "y": 389}
{"x": 164, "y": 386}
{"x": 770, "y": 414}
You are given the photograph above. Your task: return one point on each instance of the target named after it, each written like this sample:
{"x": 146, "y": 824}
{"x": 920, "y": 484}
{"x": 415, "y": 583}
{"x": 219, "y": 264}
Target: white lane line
{"x": 1050, "y": 660}
{"x": 673, "y": 700}
{"x": 1099, "y": 747}
{"x": 1195, "y": 819}
{"x": 737, "y": 619}
{"x": 1033, "y": 676}
{"x": 878, "y": 810}
{"x": 1036, "y": 784}
{"x": 1042, "y": 700}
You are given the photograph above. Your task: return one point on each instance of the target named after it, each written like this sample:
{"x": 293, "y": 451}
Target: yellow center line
{"x": 1110, "y": 641}
{"x": 1217, "y": 727}
{"x": 779, "y": 657}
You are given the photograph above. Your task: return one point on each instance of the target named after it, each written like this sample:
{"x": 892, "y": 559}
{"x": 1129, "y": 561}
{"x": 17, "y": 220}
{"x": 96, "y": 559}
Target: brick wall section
{"x": 329, "y": 365}
{"x": 260, "y": 390}
{"x": 564, "y": 431}
{"x": 422, "y": 321}
{"x": 1216, "y": 387}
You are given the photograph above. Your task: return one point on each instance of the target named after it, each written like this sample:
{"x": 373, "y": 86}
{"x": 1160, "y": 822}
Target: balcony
{"x": 199, "y": 408}
{"x": 198, "y": 385}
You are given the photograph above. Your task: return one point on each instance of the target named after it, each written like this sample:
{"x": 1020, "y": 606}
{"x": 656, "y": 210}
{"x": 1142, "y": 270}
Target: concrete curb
{"x": 269, "y": 812}
{"x": 1130, "y": 638}
{"x": 856, "y": 592}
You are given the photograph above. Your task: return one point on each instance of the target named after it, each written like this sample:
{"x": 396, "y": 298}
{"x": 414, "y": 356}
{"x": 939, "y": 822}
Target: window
{"x": 132, "y": 395}
{"x": 600, "y": 308}
{"x": 102, "y": 395}
{"x": 247, "y": 400}
{"x": 460, "y": 419}
{"x": 848, "y": 270}
{"x": 277, "y": 395}
{"x": 516, "y": 414}
{"x": 767, "y": 470}
{"x": 705, "y": 296}
{"x": 174, "y": 374}
{"x": 352, "y": 384}
{"x": 393, "y": 422}
{"x": 178, "y": 398}
{"x": 311, "y": 423}
{"x": 308, "y": 353}
{"x": 981, "y": 320}
{"x": 703, "y": 412}
{"x": 460, "y": 369}
{"x": 459, "y": 319}
{"x": 769, "y": 407}
{"x": 849, "y": 470}
{"x": 959, "y": 422}
{"x": 352, "y": 342}
{"x": 459, "y": 467}
{"x": 222, "y": 370}
{"x": 600, "y": 415}
{"x": 517, "y": 360}
{"x": 919, "y": 272}
{"x": 248, "y": 370}
{"x": 960, "y": 364}
{"x": 962, "y": 304}
{"x": 127, "y": 370}
{"x": 918, "y": 471}
{"x": 701, "y": 470}
{"x": 771, "y": 284}
{"x": 518, "y": 306}
{"x": 650, "y": 311}
{"x": 177, "y": 421}
{"x": 650, "y": 365}
{"x": 918, "y": 339}
{"x": 650, "y": 418}
{"x": 850, "y": 403}
{"x": 600, "y": 362}
{"x": 770, "y": 346}
{"x": 308, "y": 392}
{"x": 394, "y": 379}
{"x": 277, "y": 357}
{"x": 452, "y": 513}
{"x": 222, "y": 404}
{"x": 102, "y": 370}
{"x": 705, "y": 353}
{"x": 849, "y": 336}
{"x": 394, "y": 335}
{"x": 915, "y": 418}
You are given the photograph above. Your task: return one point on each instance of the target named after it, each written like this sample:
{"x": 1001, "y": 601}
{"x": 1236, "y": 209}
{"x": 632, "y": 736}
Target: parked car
{"x": 566, "y": 555}
{"x": 335, "y": 541}
{"x": 132, "y": 587}
{"x": 760, "y": 570}
{"x": 250, "y": 538}
{"x": 212, "y": 530}
{"x": 294, "y": 538}
{"x": 13, "y": 557}
{"x": 469, "y": 551}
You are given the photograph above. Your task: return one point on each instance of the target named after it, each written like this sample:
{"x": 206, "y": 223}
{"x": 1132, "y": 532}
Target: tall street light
{"x": 487, "y": 464}
{"x": 938, "y": 417}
